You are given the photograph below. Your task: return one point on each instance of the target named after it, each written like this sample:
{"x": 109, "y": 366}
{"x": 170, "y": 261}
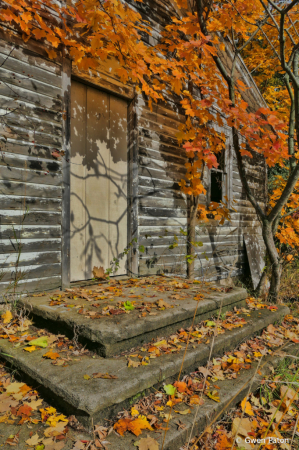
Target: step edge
{"x": 170, "y": 370}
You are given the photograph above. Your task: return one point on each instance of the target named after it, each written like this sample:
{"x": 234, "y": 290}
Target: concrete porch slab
{"x": 110, "y": 335}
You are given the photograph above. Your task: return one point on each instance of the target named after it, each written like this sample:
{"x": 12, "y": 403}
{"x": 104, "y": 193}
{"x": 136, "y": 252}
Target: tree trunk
{"x": 193, "y": 206}
{"x": 274, "y": 261}
{"x": 190, "y": 247}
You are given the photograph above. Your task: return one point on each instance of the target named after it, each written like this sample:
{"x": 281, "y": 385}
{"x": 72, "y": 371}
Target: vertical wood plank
{"x": 66, "y": 133}
{"x": 96, "y": 179}
{"x": 77, "y": 181}
{"x": 133, "y": 179}
{"x": 118, "y": 179}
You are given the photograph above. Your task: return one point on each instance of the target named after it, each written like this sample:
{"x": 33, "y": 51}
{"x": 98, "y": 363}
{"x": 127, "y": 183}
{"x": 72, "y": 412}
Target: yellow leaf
{"x": 160, "y": 343}
{"x": 53, "y": 420}
{"x": 86, "y": 377}
{"x": 47, "y": 412}
{"x": 13, "y": 388}
{"x": 185, "y": 411}
{"x": 7, "y": 317}
{"x": 30, "y": 349}
{"x": 134, "y": 412}
{"x": 51, "y": 53}
{"x": 214, "y": 395}
{"x": 246, "y": 407}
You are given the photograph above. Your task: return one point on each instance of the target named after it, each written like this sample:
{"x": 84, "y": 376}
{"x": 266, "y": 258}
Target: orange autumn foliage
{"x": 134, "y": 425}
{"x": 92, "y": 32}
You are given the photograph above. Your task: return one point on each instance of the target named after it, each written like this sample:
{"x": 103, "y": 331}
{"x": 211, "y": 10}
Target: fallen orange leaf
{"x": 51, "y": 355}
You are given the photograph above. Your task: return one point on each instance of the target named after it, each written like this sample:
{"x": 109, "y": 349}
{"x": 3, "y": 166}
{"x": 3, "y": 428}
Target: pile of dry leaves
{"x": 267, "y": 419}
{"x": 19, "y": 330}
{"x": 155, "y": 411}
{"x": 95, "y": 303}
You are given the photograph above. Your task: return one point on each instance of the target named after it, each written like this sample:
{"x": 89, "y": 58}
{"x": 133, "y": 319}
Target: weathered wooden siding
{"x": 161, "y": 206}
{"x": 30, "y": 178}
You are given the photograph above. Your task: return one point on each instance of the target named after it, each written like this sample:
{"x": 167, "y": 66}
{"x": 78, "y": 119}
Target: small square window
{"x": 217, "y": 179}
{"x": 216, "y": 186}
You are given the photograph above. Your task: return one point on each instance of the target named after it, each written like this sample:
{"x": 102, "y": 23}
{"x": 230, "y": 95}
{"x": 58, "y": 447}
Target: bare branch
{"x": 292, "y": 123}
{"x": 274, "y": 6}
{"x": 293, "y": 24}
{"x": 289, "y": 213}
{"x": 289, "y": 7}
{"x": 270, "y": 14}
{"x": 273, "y": 48}
{"x": 286, "y": 193}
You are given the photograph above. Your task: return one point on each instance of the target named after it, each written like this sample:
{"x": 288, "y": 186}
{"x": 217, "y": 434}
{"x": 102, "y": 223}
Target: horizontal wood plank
{"x": 29, "y": 245}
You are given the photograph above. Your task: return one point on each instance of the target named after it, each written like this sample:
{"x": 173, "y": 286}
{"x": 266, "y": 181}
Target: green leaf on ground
{"x": 169, "y": 389}
{"x": 40, "y": 342}
{"x": 128, "y": 306}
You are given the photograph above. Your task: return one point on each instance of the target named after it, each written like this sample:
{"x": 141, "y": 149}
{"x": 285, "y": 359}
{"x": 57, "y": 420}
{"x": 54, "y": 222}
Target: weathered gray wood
{"x": 30, "y": 176}
{"x": 167, "y": 175}
{"x": 206, "y": 251}
{"x": 150, "y": 163}
{"x": 152, "y": 202}
{"x": 153, "y": 117}
{"x": 133, "y": 180}
{"x": 164, "y": 146}
{"x": 206, "y": 230}
{"x": 162, "y": 212}
{"x": 255, "y": 257}
{"x": 30, "y": 245}
{"x": 155, "y": 127}
{"x": 253, "y": 185}
{"x": 30, "y": 285}
{"x": 162, "y": 108}
{"x": 31, "y": 52}
{"x": 9, "y": 90}
{"x": 155, "y": 183}
{"x": 30, "y": 190}
{"x": 30, "y": 162}
{"x": 9, "y": 103}
{"x": 66, "y": 173}
{"x": 29, "y": 232}
{"x": 27, "y": 272}
{"x": 217, "y": 241}
{"x": 29, "y": 259}
{"x": 33, "y": 123}
{"x": 23, "y": 134}
{"x": 161, "y": 222}
{"x": 28, "y": 70}
{"x": 156, "y": 137}
{"x": 144, "y": 191}
{"x": 161, "y": 156}
{"x": 20, "y": 148}
{"x": 105, "y": 83}
{"x": 30, "y": 203}
{"x": 29, "y": 218}
{"x": 28, "y": 83}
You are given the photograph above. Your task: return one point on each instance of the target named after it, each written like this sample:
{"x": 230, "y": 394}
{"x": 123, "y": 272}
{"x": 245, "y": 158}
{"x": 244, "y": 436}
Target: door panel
{"x": 98, "y": 180}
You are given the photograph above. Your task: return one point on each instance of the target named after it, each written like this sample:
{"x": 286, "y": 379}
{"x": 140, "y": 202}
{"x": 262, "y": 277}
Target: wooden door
{"x": 98, "y": 180}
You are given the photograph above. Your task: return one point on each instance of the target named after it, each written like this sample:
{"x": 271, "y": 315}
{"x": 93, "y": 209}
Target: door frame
{"x": 127, "y": 93}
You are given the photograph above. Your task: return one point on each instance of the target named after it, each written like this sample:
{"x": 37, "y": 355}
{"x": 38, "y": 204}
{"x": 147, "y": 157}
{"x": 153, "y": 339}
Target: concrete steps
{"x": 96, "y": 399}
{"x": 232, "y": 392}
{"x": 112, "y": 335}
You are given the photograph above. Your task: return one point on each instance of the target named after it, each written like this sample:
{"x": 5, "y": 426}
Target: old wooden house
{"x": 117, "y": 181}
